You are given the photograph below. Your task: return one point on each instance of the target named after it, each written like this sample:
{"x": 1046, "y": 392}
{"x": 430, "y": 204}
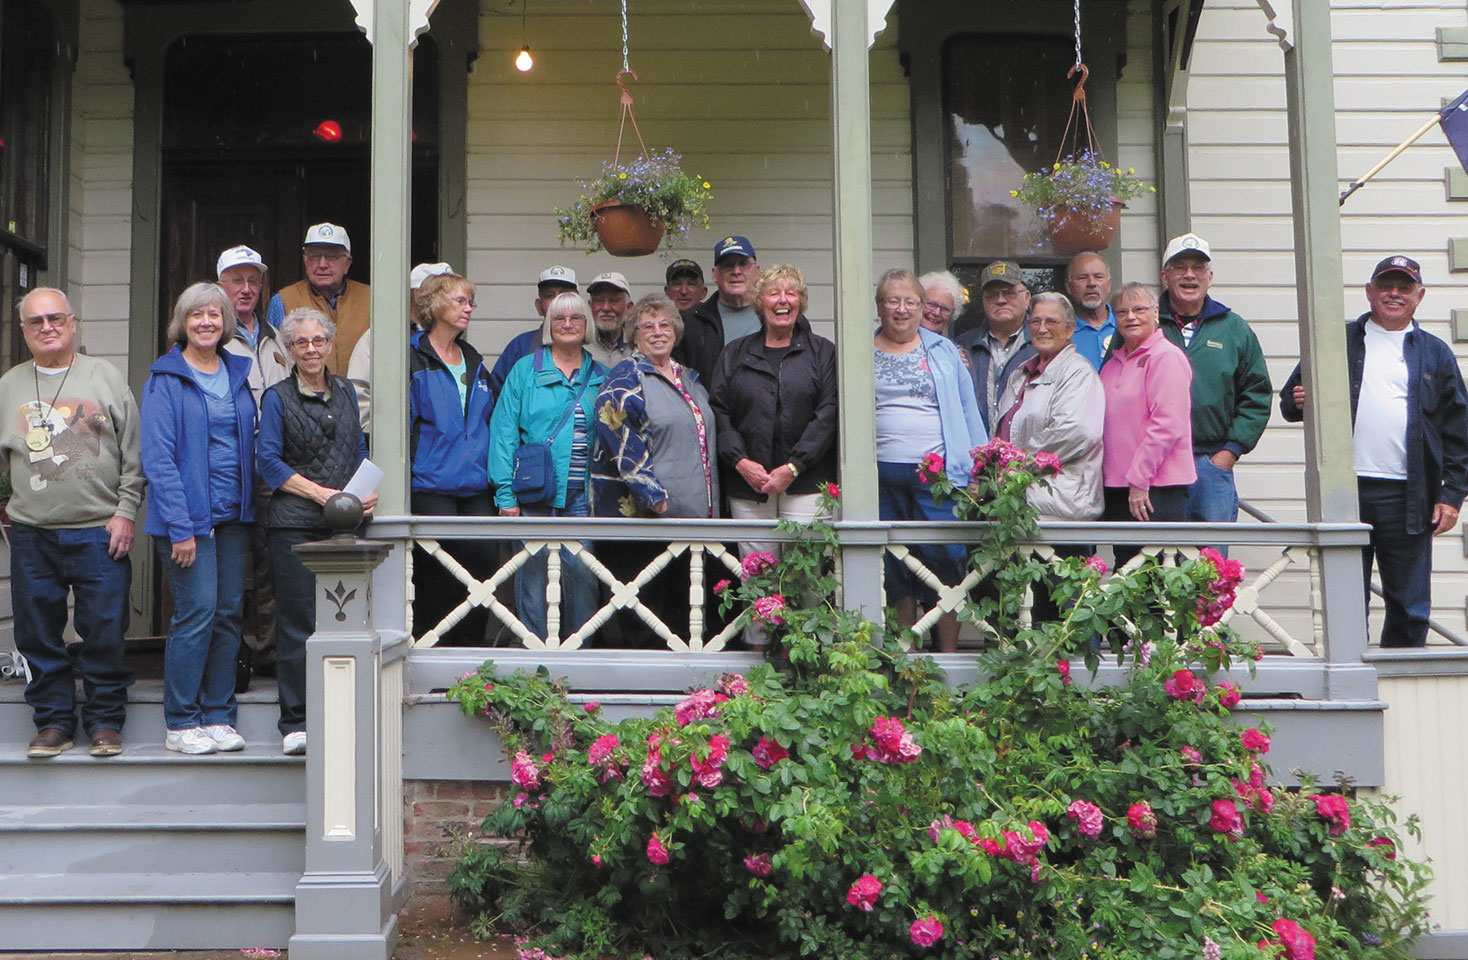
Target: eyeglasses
{"x": 996, "y": 292}
{"x": 464, "y": 302}
{"x": 46, "y": 320}
{"x": 1046, "y": 322}
{"x": 568, "y": 320}
{"x": 897, "y": 303}
{"x": 653, "y": 325}
{"x": 330, "y": 257}
{"x": 302, "y": 343}
{"x": 933, "y": 306}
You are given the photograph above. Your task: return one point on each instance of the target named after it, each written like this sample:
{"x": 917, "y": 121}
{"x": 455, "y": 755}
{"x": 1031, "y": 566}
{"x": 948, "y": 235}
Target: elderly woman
{"x": 1148, "y": 461}
{"x": 926, "y": 408}
{"x": 550, "y": 396}
{"x": 198, "y": 440}
{"x": 449, "y": 407}
{"x": 310, "y": 444}
{"x": 656, "y": 445}
{"x": 943, "y": 300}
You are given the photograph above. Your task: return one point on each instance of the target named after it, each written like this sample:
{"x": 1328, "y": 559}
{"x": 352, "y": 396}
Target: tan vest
{"x": 352, "y": 316}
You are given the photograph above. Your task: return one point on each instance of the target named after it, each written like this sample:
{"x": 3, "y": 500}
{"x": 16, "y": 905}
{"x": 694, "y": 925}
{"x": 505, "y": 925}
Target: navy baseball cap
{"x": 1399, "y": 264}
{"x": 733, "y": 245}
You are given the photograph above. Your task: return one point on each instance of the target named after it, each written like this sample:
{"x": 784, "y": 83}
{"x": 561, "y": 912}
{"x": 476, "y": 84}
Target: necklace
{"x": 38, "y": 437}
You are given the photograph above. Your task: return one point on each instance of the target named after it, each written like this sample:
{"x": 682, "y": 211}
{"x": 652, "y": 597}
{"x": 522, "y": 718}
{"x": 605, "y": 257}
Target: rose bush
{"x": 843, "y": 801}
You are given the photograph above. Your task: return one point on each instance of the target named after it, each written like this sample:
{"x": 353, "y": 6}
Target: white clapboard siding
{"x": 749, "y": 111}
{"x": 1388, "y": 80}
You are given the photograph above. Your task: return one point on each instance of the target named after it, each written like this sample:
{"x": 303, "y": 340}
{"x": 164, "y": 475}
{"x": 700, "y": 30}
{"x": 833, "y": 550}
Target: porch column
{"x": 851, "y": 134}
{"x": 1330, "y": 470}
{"x": 345, "y": 900}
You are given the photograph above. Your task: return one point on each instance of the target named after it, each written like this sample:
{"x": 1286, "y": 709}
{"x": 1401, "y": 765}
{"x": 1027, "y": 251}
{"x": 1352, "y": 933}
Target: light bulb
{"x": 523, "y": 60}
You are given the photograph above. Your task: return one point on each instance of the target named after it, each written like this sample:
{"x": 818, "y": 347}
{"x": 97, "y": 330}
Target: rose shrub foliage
{"x": 843, "y": 801}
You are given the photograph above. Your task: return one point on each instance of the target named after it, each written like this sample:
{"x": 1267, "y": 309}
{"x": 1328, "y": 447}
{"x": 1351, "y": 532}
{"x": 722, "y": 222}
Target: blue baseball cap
{"x": 733, "y": 245}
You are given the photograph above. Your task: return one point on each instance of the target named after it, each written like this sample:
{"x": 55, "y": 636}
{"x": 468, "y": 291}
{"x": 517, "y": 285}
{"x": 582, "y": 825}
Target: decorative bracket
{"x": 1281, "y": 21}
{"x": 819, "y": 12}
{"x": 418, "y": 13}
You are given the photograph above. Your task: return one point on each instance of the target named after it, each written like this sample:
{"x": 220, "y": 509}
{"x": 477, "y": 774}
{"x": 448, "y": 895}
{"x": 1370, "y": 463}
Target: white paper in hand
{"x": 364, "y": 481}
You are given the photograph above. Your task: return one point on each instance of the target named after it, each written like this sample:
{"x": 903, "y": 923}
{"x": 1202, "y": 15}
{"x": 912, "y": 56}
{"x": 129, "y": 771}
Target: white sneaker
{"x": 192, "y": 740}
{"x": 293, "y": 744}
{"x": 226, "y": 738}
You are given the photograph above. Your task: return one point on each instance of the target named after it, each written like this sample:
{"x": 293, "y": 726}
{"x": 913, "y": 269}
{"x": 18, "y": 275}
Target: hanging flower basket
{"x": 1076, "y": 230}
{"x": 626, "y": 230}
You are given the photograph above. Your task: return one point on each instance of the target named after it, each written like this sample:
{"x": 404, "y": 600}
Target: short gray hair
{"x": 568, "y": 300}
{"x": 652, "y": 303}
{"x": 195, "y": 297}
{"x": 20, "y": 304}
{"x": 302, "y": 315}
{"x": 946, "y": 281}
{"x": 1146, "y": 292}
{"x": 1059, "y": 299}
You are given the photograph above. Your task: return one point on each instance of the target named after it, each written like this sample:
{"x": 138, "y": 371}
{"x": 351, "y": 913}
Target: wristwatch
{"x": 794, "y": 470}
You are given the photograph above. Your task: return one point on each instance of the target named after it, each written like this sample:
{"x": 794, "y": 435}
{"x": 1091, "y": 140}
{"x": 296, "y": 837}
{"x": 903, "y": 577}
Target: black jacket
{"x": 1437, "y": 418}
{"x": 775, "y": 415}
{"x": 703, "y": 338}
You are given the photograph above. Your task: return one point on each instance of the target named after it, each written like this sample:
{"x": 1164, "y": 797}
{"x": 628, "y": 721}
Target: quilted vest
{"x": 320, "y": 438}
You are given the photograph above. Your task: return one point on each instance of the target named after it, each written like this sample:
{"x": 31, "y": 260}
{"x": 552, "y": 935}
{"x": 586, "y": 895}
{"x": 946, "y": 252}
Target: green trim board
{"x": 1457, "y": 254}
{"x": 1455, "y": 181}
{"x": 1452, "y": 43}
{"x": 1460, "y": 335}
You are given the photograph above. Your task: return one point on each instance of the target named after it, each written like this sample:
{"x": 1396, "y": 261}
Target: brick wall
{"x": 441, "y": 820}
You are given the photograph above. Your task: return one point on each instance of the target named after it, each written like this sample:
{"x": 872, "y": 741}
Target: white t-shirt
{"x": 1381, "y": 410}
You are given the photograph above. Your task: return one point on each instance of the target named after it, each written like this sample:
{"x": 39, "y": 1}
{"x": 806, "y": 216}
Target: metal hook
{"x": 1080, "y": 90}
{"x": 626, "y": 94}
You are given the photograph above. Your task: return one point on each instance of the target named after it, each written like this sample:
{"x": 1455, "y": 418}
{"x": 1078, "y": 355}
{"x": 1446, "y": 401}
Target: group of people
{"x": 678, "y": 404}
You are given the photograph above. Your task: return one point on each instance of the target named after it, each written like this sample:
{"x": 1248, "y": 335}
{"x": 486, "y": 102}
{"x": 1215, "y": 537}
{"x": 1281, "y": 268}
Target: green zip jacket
{"x": 1231, "y": 389}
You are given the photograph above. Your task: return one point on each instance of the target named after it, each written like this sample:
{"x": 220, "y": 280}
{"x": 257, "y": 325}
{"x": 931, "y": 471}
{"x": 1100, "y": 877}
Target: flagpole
{"x": 1360, "y": 182}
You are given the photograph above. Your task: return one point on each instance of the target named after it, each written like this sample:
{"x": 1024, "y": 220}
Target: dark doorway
{"x": 265, "y": 135}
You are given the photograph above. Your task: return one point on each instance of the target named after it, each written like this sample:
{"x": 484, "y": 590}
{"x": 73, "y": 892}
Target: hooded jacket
{"x": 448, "y": 441}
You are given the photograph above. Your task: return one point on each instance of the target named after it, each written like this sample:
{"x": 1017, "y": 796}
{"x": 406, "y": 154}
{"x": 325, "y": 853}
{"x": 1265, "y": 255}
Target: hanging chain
{"x": 627, "y": 66}
{"x": 1078, "y": 30}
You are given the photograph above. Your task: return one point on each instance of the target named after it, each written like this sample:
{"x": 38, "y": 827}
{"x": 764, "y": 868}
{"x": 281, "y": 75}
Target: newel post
{"x": 345, "y": 899}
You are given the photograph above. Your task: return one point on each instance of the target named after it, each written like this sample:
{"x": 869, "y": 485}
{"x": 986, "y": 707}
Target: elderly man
{"x": 685, "y": 286}
{"x": 71, "y": 451}
{"x": 1410, "y": 412}
{"x": 727, "y": 315}
{"x": 554, "y": 281}
{"x": 1088, "y": 284}
{"x": 997, "y": 348}
{"x": 1231, "y": 389}
{"x": 610, "y": 298}
{"x": 326, "y": 254}
{"x": 359, "y": 370}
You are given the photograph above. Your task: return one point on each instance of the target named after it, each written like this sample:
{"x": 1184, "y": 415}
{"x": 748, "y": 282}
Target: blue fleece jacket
{"x": 175, "y": 420}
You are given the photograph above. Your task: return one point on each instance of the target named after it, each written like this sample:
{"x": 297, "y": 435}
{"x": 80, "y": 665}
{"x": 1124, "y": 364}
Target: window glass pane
{"x": 1005, "y": 103}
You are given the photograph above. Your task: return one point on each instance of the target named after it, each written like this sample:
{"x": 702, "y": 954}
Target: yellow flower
{"x": 1057, "y": 166}
{"x": 1105, "y": 165}
{"x": 707, "y": 185}
{"x": 622, "y": 175}
{"x": 1014, "y": 193}
{"x": 1131, "y": 171}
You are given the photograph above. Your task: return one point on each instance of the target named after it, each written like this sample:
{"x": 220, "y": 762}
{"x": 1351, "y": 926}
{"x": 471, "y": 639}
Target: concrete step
{"x": 259, "y": 712}
{"x": 147, "y": 773}
{"x": 142, "y": 911}
{"x": 148, "y": 838}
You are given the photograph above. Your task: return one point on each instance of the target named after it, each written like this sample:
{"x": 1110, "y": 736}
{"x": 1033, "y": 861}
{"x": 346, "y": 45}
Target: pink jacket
{"x": 1148, "y": 436}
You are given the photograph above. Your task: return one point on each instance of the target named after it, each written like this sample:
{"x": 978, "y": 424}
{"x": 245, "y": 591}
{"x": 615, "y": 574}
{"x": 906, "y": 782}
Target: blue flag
{"x": 1454, "y": 120}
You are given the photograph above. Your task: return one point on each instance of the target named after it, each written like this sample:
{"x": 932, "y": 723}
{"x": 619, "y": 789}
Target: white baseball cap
{"x": 241, "y": 256}
{"x": 328, "y": 233}
{"x": 425, "y": 270}
{"x": 558, "y": 274}
{"x": 615, "y": 279}
{"x": 1187, "y": 243}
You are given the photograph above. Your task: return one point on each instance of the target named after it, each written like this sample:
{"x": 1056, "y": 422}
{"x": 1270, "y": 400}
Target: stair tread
{"x": 203, "y": 817}
{"x": 221, "y": 888}
{"x": 152, "y": 751}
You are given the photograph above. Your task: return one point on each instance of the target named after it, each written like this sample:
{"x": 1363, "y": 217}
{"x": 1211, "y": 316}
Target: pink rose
{"x": 1259, "y": 895}
{"x": 1047, "y": 463}
{"x": 768, "y": 752}
{"x": 707, "y": 770}
{"x": 926, "y": 932}
{"x": 863, "y": 893}
{"x": 931, "y": 467}
{"x": 1254, "y": 741}
{"x": 891, "y": 743}
{"x": 770, "y": 609}
{"x": 1226, "y": 818}
{"x": 698, "y": 705}
{"x": 1141, "y": 820}
{"x": 1063, "y": 667}
{"x": 1228, "y": 696}
{"x": 1097, "y": 564}
{"x": 656, "y": 852}
{"x": 600, "y": 752}
{"x": 734, "y": 684}
{"x": 1391, "y": 848}
{"x": 596, "y": 860}
{"x": 759, "y": 865}
{"x": 1182, "y": 685}
{"x": 721, "y": 586}
{"x": 1333, "y": 807}
{"x": 1087, "y": 816}
{"x": 833, "y": 491}
{"x": 1266, "y": 800}
{"x": 757, "y": 563}
{"x": 1191, "y": 756}
{"x": 1297, "y": 943}
{"x": 523, "y": 771}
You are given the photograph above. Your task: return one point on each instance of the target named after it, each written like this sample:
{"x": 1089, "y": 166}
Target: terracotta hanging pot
{"x": 1076, "y": 231}
{"x": 626, "y": 231}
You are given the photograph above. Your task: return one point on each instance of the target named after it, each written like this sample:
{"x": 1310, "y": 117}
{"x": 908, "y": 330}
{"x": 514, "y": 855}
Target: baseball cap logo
{"x": 1399, "y": 261}
{"x": 1190, "y": 243}
{"x": 1000, "y": 269}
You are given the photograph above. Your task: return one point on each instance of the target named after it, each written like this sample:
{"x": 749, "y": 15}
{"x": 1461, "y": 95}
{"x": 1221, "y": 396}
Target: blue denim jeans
{"x": 901, "y": 496}
{"x": 1212, "y": 498}
{"x": 578, "y": 584}
{"x": 44, "y": 565}
{"x": 1403, "y": 559}
{"x": 204, "y": 637}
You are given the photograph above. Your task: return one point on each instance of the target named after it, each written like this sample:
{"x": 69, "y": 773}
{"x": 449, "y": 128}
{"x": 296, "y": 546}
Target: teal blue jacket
{"x": 528, "y": 409}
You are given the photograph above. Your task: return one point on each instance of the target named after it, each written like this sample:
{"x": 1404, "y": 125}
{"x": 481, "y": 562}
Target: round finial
{"x": 342, "y": 513}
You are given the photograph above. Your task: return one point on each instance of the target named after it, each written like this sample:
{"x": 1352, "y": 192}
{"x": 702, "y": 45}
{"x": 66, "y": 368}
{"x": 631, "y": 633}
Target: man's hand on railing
{"x": 509, "y": 511}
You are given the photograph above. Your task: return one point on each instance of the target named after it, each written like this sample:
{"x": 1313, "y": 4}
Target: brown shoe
{"x": 48, "y": 743}
{"x": 106, "y": 742}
